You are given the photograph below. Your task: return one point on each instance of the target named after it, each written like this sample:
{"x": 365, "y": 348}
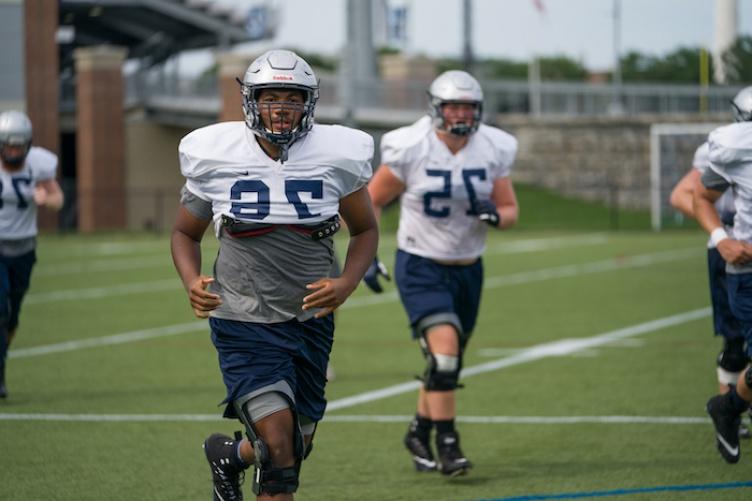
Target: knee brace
{"x": 267, "y": 477}
{"x": 442, "y": 371}
{"x": 731, "y": 360}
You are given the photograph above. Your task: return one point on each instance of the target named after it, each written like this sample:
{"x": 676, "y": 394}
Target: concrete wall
{"x": 587, "y": 158}
{"x": 592, "y": 158}
{"x": 153, "y": 179}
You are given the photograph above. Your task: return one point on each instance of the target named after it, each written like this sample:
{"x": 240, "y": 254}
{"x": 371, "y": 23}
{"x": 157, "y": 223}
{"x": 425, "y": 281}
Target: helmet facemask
{"x": 17, "y": 157}
{"x": 457, "y": 128}
{"x": 279, "y": 70}
{"x": 277, "y": 132}
{"x": 15, "y": 138}
{"x": 455, "y": 87}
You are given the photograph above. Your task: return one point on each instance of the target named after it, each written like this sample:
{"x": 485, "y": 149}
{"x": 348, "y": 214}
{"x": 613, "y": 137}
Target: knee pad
{"x": 733, "y": 357}
{"x": 269, "y": 478}
{"x": 442, "y": 372}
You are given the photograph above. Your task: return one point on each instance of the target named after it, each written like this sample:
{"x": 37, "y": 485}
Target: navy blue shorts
{"x": 15, "y": 275}
{"x": 427, "y": 288}
{"x": 724, "y": 322}
{"x": 740, "y": 301}
{"x": 253, "y": 355}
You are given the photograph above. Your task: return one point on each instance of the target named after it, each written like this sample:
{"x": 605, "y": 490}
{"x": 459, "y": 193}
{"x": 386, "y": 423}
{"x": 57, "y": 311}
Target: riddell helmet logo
{"x": 281, "y": 77}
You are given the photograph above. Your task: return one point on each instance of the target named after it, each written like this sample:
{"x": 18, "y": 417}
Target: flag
{"x": 396, "y": 25}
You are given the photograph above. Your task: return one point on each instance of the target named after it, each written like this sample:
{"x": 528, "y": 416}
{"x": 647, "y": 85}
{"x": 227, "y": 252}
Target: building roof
{"x": 151, "y": 30}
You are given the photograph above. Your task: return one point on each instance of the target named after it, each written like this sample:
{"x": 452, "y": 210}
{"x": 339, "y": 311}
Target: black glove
{"x": 487, "y": 212}
{"x": 371, "y": 278}
{"x": 727, "y": 218}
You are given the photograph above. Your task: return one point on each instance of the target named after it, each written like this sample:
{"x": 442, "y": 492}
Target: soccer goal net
{"x": 672, "y": 148}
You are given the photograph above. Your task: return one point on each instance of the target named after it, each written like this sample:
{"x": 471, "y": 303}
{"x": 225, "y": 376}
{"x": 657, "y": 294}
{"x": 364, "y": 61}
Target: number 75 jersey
{"x": 224, "y": 164}
{"x": 437, "y": 218}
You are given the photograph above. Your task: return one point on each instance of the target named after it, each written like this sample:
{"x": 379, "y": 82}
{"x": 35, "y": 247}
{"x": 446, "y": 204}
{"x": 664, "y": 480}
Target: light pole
{"x": 616, "y": 107}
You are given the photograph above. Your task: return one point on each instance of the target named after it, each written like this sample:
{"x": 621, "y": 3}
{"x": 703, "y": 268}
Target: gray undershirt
{"x": 263, "y": 278}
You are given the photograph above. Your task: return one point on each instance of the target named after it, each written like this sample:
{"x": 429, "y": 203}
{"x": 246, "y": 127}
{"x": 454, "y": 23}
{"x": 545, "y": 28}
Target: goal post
{"x": 672, "y": 149}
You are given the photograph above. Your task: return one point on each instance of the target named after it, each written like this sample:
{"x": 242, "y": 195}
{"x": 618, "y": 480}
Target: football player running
{"x": 273, "y": 187}
{"x": 451, "y": 173}
{"x": 731, "y": 167}
{"x": 732, "y": 359}
{"x": 27, "y": 181}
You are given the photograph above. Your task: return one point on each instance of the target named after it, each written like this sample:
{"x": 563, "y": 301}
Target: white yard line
{"x": 565, "y": 271}
{"x": 101, "y": 265}
{"x": 537, "y": 420}
{"x": 357, "y": 302}
{"x": 84, "y": 264}
{"x": 125, "y": 337}
{"x": 558, "y": 348}
{"x": 490, "y": 282}
{"x": 103, "y": 292}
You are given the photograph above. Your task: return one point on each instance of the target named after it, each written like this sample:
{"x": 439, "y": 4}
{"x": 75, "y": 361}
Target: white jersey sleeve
{"x": 436, "y": 209}
{"x": 402, "y": 147}
{"x": 724, "y": 206}
{"x": 731, "y": 157}
{"x": 701, "y": 159}
{"x": 504, "y": 148}
{"x": 43, "y": 163}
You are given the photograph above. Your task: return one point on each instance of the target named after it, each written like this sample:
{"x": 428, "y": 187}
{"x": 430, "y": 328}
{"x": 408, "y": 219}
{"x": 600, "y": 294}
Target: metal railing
{"x": 200, "y": 95}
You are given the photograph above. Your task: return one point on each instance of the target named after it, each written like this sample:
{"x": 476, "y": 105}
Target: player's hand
{"x": 203, "y": 301}
{"x": 40, "y": 196}
{"x": 371, "y": 278}
{"x": 328, "y": 295}
{"x": 735, "y": 251}
{"x": 487, "y": 212}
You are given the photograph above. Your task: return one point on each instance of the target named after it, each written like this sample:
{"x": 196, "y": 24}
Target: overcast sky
{"x": 582, "y": 29}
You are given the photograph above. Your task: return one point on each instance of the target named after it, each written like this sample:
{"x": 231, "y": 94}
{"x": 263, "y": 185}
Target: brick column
{"x": 100, "y": 169}
{"x": 231, "y": 66}
{"x": 41, "y": 75}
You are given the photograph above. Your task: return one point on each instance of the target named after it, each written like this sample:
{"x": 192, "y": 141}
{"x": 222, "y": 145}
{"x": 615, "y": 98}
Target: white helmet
{"x": 15, "y": 130}
{"x": 742, "y": 105}
{"x": 455, "y": 87}
{"x": 279, "y": 69}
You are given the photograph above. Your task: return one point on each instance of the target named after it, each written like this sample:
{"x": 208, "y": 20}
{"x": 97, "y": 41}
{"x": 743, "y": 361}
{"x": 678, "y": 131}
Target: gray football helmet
{"x": 742, "y": 105}
{"x": 455, "y": 87}
{"x": 279, "y": 69}
{"x": 15, "y": 130}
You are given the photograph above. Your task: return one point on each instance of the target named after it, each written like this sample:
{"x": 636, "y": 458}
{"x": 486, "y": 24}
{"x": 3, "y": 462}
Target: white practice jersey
{"x": 731, "y": 158}
{"x": 18, "y": 212}
{"x": 224, "y": 164}
{"x": 725, "y": 204}
{"x": 435, "y": 209}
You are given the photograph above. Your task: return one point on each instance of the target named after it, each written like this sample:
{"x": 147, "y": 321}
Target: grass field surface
{"x": 587, "y": 375}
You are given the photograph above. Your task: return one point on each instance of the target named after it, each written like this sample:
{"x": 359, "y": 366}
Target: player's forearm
{"x": 705, "y": 213}
{"x": 360, "y": 254}
{"x": 683, "y": 201}
{"x": 186, "y": 255}
{"x": 509, "y": 215}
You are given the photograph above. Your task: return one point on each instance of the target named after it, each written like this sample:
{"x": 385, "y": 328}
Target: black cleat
{"x": 421, "y": 451}
{"x": 3, "y": 391}
{"x": 227, "y": 476}
{"x": 726, "y": 423}
{"x": 452, "y": 461}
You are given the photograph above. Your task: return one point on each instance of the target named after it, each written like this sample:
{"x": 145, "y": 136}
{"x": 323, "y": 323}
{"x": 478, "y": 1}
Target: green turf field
{"x": 588, "y": 371}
